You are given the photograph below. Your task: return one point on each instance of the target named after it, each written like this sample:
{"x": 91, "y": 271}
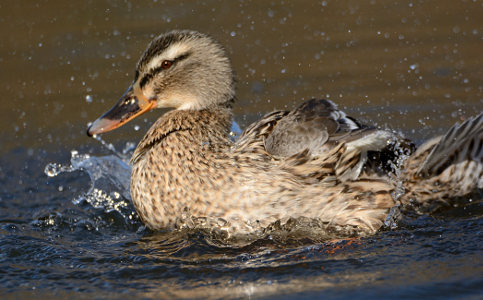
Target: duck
{"x": 312, "y": 163}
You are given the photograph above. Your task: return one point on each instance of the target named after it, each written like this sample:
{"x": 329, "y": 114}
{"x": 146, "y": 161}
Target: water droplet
{"x": 52, "y": 169}
{"x": 88, "y": 98}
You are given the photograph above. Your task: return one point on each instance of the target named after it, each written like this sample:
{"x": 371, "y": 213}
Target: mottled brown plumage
{"x": 445, "y": 169}
{"x": 184, "y": 170}
{"x": 313, "y": 163}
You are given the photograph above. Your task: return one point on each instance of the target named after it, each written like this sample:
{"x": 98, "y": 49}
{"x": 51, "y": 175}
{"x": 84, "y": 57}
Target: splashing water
{"x": 110, "y": 180}
{"x": 401, "y": 153}
{"x": 124, "y": 155}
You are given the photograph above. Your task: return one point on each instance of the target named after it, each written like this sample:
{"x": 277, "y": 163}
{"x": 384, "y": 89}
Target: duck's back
{"x": 316, "y": 125}
{"x": 315, "y": 128}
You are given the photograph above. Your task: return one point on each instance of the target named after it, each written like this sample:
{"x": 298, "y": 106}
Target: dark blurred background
{"x": 414, "y": 66}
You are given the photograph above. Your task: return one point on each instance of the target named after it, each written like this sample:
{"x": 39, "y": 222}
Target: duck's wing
{"x": 310, "y": 126}
{"x": 462, "y": 142}
{"x": 253, "y": 137}
{"x": 446, "y": 169}
{"x": 312, "y": 131}
{"x": 317, "y": 126}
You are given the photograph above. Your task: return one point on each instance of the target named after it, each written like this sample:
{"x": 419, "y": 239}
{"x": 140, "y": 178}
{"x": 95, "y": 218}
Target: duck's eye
{"x": 166, "y": 64}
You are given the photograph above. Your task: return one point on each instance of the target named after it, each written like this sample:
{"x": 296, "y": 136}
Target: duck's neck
{"x": 211, "y": 125}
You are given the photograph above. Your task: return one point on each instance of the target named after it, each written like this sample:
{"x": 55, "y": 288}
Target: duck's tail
{"x": 446, "y": 169}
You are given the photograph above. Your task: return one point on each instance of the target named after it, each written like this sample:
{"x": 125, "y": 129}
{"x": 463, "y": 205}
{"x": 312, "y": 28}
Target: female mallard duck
{"x": 314, "y": 162}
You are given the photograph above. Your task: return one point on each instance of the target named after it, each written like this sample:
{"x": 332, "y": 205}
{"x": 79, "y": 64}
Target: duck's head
{"x": 184, "y": 70}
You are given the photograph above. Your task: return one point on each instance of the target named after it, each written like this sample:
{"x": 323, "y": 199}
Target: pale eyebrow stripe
{"x": 171, "y": 53}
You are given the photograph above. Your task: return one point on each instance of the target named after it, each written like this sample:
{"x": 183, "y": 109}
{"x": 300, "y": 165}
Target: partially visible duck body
{"x": 313, "y": 162}
{"x": 446, "y": 169}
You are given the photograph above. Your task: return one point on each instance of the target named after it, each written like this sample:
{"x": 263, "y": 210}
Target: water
{"x": 74, "y": 233}
{"x": 57, "y": 242}
{"x": 410, "y": 66}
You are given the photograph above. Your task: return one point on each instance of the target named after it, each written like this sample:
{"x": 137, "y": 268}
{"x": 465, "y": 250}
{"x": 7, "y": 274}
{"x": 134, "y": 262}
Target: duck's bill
{"x": 127, "y": 108}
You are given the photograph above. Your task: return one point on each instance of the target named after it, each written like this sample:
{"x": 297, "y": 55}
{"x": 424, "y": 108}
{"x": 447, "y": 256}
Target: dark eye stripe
{"x": 145, "y": 80}
{"x": 156, "y": 70}
{"x": 182, "y": 57}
